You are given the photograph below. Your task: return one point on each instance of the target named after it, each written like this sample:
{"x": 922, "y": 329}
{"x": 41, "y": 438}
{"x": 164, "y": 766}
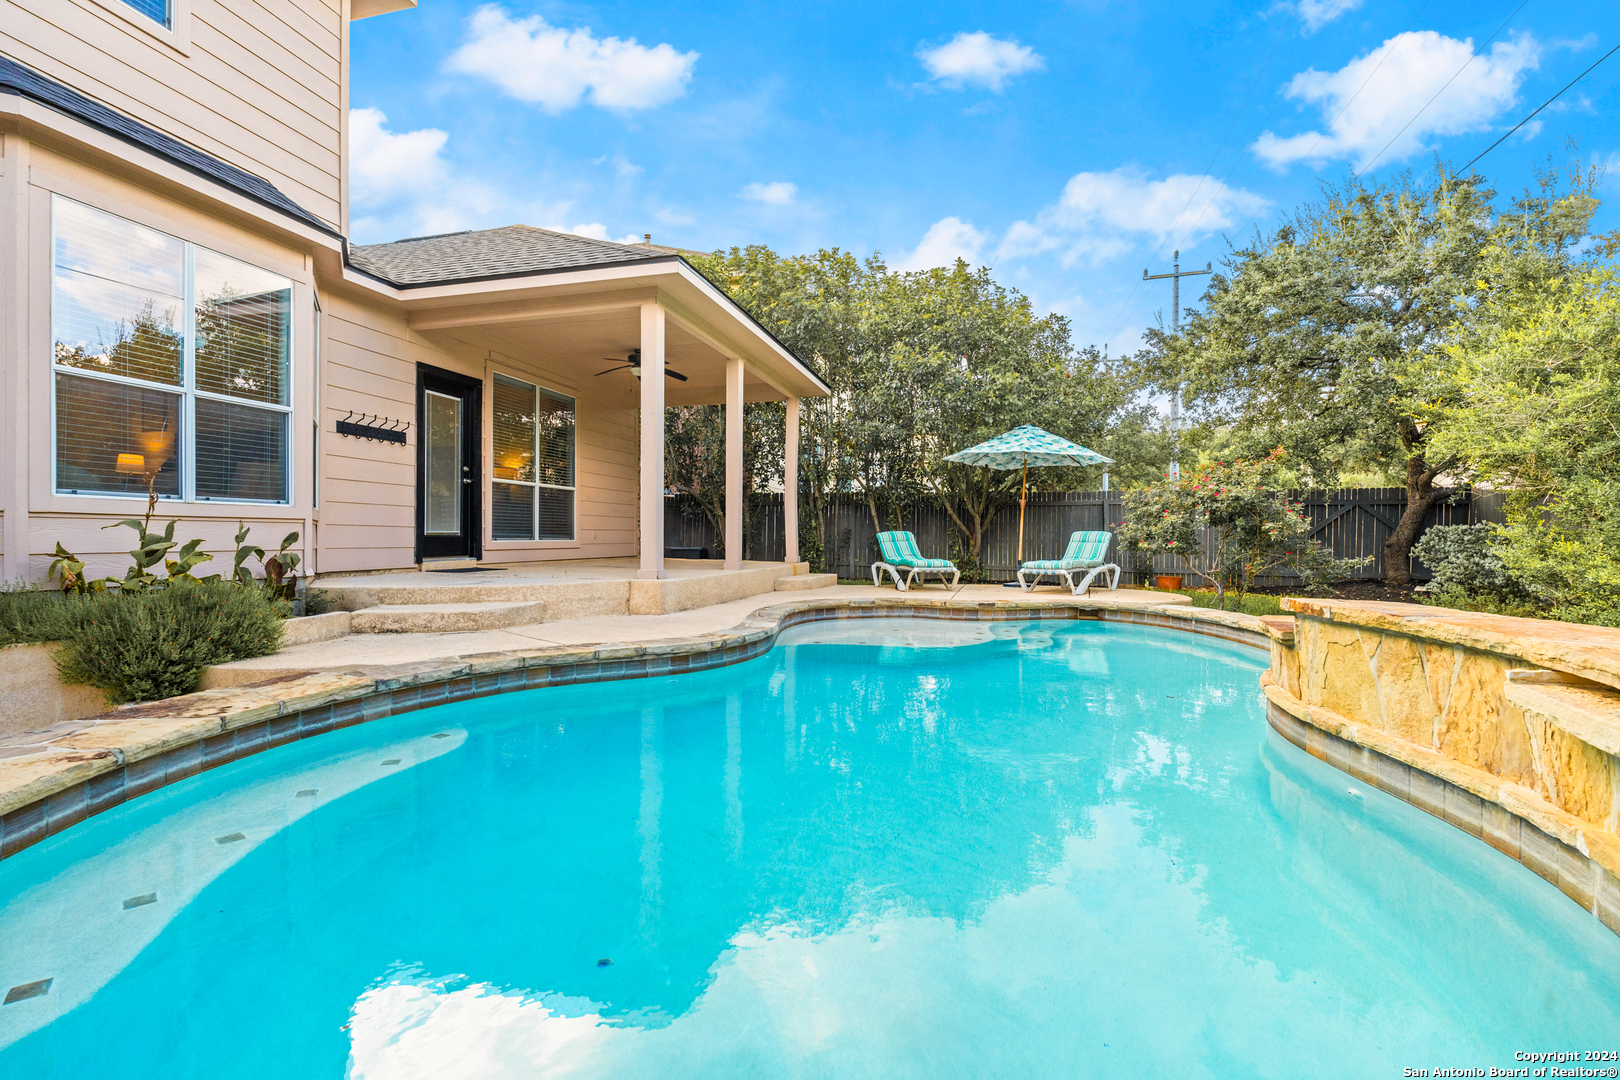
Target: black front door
{"x": 448, "y": 410}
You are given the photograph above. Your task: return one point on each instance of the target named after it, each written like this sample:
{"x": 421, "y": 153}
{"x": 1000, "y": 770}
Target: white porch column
{"x": 734, "y": 464}
{"x": 652, "y": 442}
{"x": 790, "y": 482}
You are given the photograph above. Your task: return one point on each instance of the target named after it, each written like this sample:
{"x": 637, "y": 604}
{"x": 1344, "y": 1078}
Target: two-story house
{"x": 181, "y": 311}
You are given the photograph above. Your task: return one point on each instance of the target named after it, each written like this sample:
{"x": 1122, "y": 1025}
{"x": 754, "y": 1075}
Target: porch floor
{"x": 567, "y": 589}
{"x": 558, "y": 572}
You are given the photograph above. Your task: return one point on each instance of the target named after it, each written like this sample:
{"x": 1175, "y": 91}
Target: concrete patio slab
{"x": 371, "y": 650}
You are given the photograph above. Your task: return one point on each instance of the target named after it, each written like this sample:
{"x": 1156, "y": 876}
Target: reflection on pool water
{"x": 894, "y": 848}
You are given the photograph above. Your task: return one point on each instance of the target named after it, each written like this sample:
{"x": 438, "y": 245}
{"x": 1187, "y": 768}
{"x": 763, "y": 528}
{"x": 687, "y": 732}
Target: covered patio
{"x": 581, "y": 323}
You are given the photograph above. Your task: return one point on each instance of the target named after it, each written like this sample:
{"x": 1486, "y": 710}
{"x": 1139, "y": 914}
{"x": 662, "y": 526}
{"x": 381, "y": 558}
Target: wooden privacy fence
{"x": 1353, "y": 522}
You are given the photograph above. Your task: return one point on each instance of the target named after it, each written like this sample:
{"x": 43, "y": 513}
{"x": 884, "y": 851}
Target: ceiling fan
{"x": 633, "y": 363}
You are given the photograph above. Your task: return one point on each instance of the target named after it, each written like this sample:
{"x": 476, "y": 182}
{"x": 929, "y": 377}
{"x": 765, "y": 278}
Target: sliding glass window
{"x": 532, "y": 495}
{"x": 171, "y": 365}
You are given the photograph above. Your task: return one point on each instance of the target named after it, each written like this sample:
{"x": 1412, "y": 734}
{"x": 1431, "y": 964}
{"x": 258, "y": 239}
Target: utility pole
{"x": 1175, "y": 276}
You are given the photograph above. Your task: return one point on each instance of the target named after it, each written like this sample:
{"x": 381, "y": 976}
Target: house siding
{"x": 259, "y": 85}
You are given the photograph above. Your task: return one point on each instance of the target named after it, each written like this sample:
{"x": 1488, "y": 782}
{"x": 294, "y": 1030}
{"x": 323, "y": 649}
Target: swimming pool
{"x": 893, "y": 848}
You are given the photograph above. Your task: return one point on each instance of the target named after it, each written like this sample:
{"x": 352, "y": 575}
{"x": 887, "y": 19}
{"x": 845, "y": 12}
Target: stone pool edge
{"x": 134, "y": 750}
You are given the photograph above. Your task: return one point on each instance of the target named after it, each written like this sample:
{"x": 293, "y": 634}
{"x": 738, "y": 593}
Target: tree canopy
{"x": 1532, "y": 406}
{"x": 1328, "y": 338}
{"x": 923, "y": 364}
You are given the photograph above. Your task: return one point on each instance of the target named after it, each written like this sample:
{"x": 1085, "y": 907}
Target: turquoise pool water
{"x": 896, "y": 848}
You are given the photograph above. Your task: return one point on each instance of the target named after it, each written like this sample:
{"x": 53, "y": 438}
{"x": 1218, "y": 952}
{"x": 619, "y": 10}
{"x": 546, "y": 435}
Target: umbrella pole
{"x": 1023, "y": 492}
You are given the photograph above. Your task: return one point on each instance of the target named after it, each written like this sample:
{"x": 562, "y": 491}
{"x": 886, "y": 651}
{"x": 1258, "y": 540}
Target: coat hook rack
{"x": 375, "y": 428}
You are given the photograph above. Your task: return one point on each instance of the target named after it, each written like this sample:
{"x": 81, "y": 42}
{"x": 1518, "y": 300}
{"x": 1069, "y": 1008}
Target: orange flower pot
{"x": 1168, "y": 582}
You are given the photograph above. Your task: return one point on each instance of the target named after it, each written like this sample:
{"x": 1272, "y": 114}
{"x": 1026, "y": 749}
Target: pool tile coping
{"x": 1575, "y": 856}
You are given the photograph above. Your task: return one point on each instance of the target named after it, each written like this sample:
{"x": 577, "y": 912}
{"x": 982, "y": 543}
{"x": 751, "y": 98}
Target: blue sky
{"x": 1065, "y": 145}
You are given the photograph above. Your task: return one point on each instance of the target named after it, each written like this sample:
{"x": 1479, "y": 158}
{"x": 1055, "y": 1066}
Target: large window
{"x": 533, "y": 489}
{"x": 171, "y": 365}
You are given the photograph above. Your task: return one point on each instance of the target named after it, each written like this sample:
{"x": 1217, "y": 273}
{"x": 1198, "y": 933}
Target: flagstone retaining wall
{"x": 32, "y": 696}
{"x": 1507, "y": 728}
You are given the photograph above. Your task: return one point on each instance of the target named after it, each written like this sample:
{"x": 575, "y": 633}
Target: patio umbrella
{"x": 1019, "y": 449}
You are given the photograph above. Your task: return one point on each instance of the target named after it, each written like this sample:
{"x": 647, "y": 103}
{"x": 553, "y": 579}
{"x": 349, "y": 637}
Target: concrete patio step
{"x": 445, "y": 618}
{"x": 800, "y": 582}
{"x": 416, "y": 591}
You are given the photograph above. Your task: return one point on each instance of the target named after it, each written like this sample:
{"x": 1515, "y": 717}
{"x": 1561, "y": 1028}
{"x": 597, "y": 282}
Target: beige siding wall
{"x": 38, "y": 517}
{"x": 367, "y": 513}
{"x": 258, "y": 83}
{"x": 367, "y": 518}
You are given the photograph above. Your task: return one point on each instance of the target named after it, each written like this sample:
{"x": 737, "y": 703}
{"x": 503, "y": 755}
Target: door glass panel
{"x": 441, "y": 452}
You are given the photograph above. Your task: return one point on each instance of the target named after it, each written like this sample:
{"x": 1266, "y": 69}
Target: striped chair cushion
{"x": 1086, "y": 549}
{"x": 900, "y": 549}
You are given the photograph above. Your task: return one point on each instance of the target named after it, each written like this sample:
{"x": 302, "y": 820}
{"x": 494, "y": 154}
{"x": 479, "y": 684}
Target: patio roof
{"x": 483, "y": 254}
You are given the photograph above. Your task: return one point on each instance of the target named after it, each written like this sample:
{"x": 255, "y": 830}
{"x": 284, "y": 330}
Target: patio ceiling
{"x": 576, "y": 324}
{"x": 577, "y": 345}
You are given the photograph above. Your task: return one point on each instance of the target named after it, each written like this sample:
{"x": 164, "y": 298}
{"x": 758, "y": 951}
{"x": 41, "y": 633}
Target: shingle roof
{"x": 509, "y": 251}
{"x": 25, "y": 82}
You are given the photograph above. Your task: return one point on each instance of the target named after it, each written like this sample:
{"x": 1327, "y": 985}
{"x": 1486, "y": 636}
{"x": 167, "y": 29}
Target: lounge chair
{"x": 901, "y": 557}
{"x": 1086, "y": 552}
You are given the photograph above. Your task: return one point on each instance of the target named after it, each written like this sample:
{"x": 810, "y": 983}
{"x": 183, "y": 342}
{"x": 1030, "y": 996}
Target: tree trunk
{"x": 1420, "y": 495}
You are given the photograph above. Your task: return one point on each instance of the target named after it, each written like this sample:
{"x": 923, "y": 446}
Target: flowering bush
{"x": 1230, "y": 523}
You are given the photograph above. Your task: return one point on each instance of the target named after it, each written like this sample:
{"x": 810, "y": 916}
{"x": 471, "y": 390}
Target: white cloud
{"x": 980, "y": 60}
{"x": 554, "y": 68}
{"x": 622, "y": 165}
{"x": 401, "y": 185}
{"x": 597, "y": 231}
{"x": 1101, "y": 216}
{"x": 776, "y": 193}
{"x": 386, "y": 165}
{"x": 947, "y": 240}
{"x": 1398, "y": 84}
{"x": 1316, "y": 14}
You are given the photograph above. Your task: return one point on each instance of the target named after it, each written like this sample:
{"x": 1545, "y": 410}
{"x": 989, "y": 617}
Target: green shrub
{"x": 1230, "y": 523}
{"x": 1464, "y": 557}
{"x": 34, "y": 615}
{"x": 1249, "y": 603}
{"x": 1463, "y": 600}
{"x": 154, "y": 644}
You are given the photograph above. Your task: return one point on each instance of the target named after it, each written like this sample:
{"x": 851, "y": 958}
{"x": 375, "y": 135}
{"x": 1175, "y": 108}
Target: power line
{"x": 1472, "y": 56}
{"x": 1544, "y": 104}
{"x": 1320, "y": 135}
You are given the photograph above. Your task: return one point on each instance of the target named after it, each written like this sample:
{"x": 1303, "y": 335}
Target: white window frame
{"x": 176, "y": 35}
{"x": 573, "y": 489}
{"x": 186, "y": 389}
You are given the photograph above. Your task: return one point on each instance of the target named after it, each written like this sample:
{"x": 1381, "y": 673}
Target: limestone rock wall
{"x": 1460, "y": 684}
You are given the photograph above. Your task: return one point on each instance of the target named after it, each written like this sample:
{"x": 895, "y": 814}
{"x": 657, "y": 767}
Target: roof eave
{"x": 688, "y": 272}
